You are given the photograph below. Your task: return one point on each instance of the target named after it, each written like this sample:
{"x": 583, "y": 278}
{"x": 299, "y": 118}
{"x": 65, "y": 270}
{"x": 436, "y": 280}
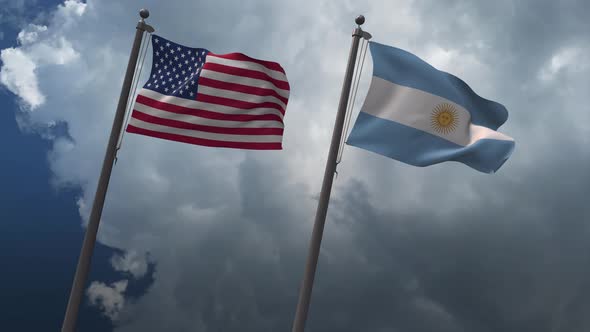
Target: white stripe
{"x": 206, "y": 106}
{"x": 277, "y": 75}
{"x": 254, "y": 82}
{"x": 205, "y": 135}
{"x": 204, "y": 121}
{"x": 239, "y": 96}
{"x": 414, "y": 108}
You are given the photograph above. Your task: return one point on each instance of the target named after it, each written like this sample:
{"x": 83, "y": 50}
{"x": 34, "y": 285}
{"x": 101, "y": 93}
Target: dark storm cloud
{"x": 517, "y": 264}
{"x": 440, "y": 249}
{"x": 519, "y": 38}
{"x": 511, "y": 258}
{"x": 515, "y": 259}
{"x": 513, "y": 29}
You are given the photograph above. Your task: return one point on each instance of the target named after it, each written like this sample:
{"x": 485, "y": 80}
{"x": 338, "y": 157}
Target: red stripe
{"x": 241, "y": 88}
{"x": 244, "y": 57}
{"x": 205, "y": 113}
{"x": 245, "y": 73}
{"x": 205, "y": 142}
{"x": 210, "y": 129}
{"x": 245, "y": 105}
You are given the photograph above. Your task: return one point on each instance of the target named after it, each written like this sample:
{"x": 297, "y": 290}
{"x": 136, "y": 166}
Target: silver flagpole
{"x": 322, "y": 210}
{"x": 83, "y": 267}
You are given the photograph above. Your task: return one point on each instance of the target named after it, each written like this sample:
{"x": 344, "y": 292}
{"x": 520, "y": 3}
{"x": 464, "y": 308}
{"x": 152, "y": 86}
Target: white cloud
{"x": 71, "y": 8}
{"x": 30, "y": 34}
{"x": 109, "y": 299}
{"x": 39, "y": 49}
{"x": 18, "y": 75}
{"x": 571, "y": 57}
{"x": 131, "y": 262}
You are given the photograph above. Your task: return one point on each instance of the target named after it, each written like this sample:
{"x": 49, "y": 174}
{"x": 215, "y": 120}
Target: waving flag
{"x": 421, "y": 116}
{"x": 220, "y": 100}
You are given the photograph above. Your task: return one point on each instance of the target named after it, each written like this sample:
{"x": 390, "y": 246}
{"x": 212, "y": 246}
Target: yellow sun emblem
{"x": 444, "y": 118}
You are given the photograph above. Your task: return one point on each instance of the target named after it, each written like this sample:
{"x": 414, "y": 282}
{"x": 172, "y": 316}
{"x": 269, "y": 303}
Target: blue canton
{"x": 175, "y": 68}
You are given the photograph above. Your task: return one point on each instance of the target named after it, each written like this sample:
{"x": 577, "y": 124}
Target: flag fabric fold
{"x": 219, "y": 100}
{"x": 421, "y": 116}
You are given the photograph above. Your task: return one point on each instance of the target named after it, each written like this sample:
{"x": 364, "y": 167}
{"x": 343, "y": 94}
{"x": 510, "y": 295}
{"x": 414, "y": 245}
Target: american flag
{"x": 219, "y": 100}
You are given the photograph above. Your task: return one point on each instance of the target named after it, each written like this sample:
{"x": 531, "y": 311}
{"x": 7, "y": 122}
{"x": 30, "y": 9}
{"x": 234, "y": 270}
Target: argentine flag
{"x": 421, "y": 116}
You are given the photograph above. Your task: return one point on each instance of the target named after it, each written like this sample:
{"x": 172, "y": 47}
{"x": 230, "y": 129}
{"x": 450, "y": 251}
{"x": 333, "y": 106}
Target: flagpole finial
{"x": 144, "y": 13}
{"x": 360, "y": 20}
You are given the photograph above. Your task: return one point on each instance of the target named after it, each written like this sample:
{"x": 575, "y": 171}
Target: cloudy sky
{"x": 201, "y": 239}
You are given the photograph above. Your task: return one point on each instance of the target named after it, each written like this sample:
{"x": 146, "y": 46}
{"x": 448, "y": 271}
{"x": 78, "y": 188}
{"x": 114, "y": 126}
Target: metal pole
{"x": 83, "y": 267}
{"x": 322, "y": 210}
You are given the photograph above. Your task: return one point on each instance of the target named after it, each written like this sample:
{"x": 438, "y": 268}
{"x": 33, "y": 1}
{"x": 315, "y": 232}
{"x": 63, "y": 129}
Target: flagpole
{"x": 77, "y": 291}
{"x": 322, "y": 210}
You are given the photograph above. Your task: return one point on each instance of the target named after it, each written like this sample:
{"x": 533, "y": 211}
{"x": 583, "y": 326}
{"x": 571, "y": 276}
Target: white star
{"x": 186, "y": 62}
{"x": 167, "y": 44}
{"x": 156, "y": 81}
{"x": 191, "y": 93}
{"x": 178, "y": 48}
{"x": 186, "y": 87}
{"x": 177, "y": 76}
{"x": 165, "y": 67}
{"x": 174, "y": 69}
{"x": 168, "y": 73}
{"x": 161, "y": 76}
{"x": 182, "y": 55}
{"x": 166, "y": 89}
{"x": 179, "y": 65}
{"x": 157, "y": 53}
{"x": 156, "y": 65}
{"x": 175, "y": 58}
{"x": 183, "y": 72}
{"x": 159, "y": 71}
{"x": 173, "y": 87}
{"x": 157, "y": 86}
{"x": 156, "y": 40}
{"x": 161, "y": 60}
{"x": 154, "y": 76}
{"x": 166, "y": 55}
{"x": 170, "y": 62}
{"x": 192, "y": 82}
{"x": 170, "y": 79}
{"x": 171, "y": 51}
{"x": 149, "y": 84}
{"x": 192, "y": 58}
{"x": 179, "y": 82}
{"x": 161, "y": 48}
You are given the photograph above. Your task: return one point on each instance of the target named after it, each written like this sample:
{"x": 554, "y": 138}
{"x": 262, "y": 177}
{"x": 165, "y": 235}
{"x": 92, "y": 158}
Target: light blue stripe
{"x": 404, "y": 68}
{"x": 419, "y": 148}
